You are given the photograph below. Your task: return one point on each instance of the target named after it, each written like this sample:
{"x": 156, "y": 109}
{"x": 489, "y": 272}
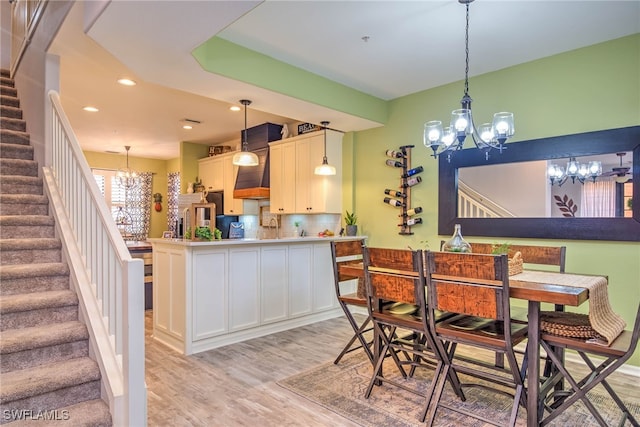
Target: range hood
{"x": 252, "y": 182}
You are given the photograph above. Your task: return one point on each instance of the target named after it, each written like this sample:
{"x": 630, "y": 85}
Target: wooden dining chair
{"x": 344, "y": 253}
{"x": 396, "y": 300}
{"x": 476, "y": 287}
{"x": 609, "y": 359}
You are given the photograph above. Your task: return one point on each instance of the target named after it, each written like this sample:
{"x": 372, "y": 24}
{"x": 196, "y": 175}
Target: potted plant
{"x": 203, "y": 234}
{"x": 350, "y": 220}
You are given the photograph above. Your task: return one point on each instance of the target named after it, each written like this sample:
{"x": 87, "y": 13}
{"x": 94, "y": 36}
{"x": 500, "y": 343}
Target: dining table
{"x": 537, "y": 287}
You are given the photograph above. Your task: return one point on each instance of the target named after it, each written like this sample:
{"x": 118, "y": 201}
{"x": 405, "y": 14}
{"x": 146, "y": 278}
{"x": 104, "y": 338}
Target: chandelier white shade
{"x": 325, "y": 168}
{"x": 574, "y": 170}
{"x": 244, "y": 157}
{"x": 127, "y": 177}
{"x": 445, "y": 139}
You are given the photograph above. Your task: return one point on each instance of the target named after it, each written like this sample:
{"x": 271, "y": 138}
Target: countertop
{"x": 225, "y": 242}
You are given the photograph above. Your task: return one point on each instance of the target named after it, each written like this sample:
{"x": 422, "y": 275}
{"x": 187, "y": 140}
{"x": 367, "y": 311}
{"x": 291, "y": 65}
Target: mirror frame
{"x": 557, "y": 147}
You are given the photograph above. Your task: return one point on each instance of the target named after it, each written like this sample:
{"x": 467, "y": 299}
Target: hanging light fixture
{"x": 127, "y": 178}
{"x": 245, "y": 157}
{"x": 325, "y": 168}
{"x": 574, "y": 170}
{"x": 486, "y": 137}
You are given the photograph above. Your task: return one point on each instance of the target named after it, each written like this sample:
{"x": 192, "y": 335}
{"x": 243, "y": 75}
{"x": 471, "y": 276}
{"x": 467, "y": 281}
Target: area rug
{"x": 340, "y": 388}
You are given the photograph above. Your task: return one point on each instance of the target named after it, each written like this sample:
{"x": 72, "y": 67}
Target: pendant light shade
{"x": 325, "y": 168}
{"x": 245, "y": 157}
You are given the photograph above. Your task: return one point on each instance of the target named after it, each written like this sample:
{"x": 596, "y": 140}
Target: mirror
{"x": 524, "y": 189}
{"x": 559, "y": 148}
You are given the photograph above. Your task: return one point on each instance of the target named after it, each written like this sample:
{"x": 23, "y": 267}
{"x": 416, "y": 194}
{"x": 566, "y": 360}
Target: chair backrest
{"x": 345, "y": 252}
{"x": 471, "y": 284}
{"x": 393, "y": 275}
{"x": 541, "y": 255}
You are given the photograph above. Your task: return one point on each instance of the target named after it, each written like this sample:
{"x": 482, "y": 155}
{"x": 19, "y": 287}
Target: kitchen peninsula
{"x": 210, "y": 294}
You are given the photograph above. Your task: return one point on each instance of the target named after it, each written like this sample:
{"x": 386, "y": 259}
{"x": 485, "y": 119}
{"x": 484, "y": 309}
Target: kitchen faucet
{"x": 275, "y": 218}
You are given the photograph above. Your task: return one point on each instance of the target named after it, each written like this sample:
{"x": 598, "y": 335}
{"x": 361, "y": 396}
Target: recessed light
{"x": 90, "y": 109}
{"x": 189, "y": 123}
{"x": 187, "y": 127}
{"x": 126, "y": 82}
{"x": 234, "y": 108}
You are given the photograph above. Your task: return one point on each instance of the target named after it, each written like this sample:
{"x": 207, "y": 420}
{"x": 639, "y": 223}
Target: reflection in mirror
{"x": 525, "y": 189}
{"x": 623, "y": 226}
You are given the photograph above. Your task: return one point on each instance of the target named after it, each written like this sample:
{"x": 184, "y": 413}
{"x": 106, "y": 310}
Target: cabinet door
{"x": 316, "y": 193}
{"x": 210, "y": 171}
{"x": 244, "y": 288}
{"x": 209, "y": 293}
{"x": 324, "y": 292}
{"x": 300, "y": 279}
{"x": 273, "y": 269}
{"x": 230, "y": 171}
{"x": 282, "y": 176}
{"x": 305, "y": 174}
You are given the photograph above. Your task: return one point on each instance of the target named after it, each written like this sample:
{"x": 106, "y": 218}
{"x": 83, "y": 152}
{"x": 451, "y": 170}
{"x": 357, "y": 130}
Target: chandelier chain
{"x": 466, "y": 52}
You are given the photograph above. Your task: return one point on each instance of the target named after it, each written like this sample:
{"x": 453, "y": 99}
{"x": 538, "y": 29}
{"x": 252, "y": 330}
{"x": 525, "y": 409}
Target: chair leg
{"x": 358, "y": 331}
{"x": 442, "y": 373}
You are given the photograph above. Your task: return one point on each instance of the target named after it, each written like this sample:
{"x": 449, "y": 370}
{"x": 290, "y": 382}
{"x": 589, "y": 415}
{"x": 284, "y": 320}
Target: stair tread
{"x": 27, "y": 243}
{"x": 26, "y": 220}
{"x": 37, "y": 300}
{"x": 39, "y": 199}
{"x": 90, "y": 413}
{"x": 22, "y": 179}
{"x": 14, "y": 340}
{"x": 47, "y": 378}
{"x": 15, "y": 271}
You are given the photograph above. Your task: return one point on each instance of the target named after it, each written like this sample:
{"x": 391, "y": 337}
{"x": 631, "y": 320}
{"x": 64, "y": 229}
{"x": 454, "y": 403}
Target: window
{"x": 128, "y": 208}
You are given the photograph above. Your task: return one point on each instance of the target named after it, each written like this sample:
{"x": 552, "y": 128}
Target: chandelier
{"x": 574, "y": 170}
{"x": 325, "y": 168}
{"x": 244, "y": 157}
{"x": 485, "y": 137}
{"x": 127, "y": 178}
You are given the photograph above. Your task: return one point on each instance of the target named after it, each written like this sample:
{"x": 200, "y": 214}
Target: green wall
{"x": 189, "y": 155}
{"x": 158, "y": 220}
{"x": 594, "y": 88}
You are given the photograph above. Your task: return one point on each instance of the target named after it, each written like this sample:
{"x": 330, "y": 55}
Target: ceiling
{"x": 386, "y": 49}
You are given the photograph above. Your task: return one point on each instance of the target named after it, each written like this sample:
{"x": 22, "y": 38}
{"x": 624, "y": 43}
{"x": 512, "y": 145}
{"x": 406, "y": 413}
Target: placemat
{"x": 601, "y": 315}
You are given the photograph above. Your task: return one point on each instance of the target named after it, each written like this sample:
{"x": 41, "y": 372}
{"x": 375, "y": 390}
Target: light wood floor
{"x": 236, "y": 385}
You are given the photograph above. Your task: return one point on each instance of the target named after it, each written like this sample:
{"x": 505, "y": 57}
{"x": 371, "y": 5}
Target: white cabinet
{"x": 210, "y": 299}
{"x": 294, "y": 186}
{"x": 244, "y": 288}
{"x": 273, "y": 270}
{"x": 300, "y": 279}
{"x": 316, "y": 193}
{"x": 234, "y": 206}
{"x": 210, "y": 171}
{"x": 324, "y": 291}
{"x": 282, "y": 176}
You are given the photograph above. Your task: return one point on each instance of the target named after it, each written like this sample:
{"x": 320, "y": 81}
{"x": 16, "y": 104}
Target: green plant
{"x": 350, "y": 218}
{"x": 500, "y": 248}
{"x": 203, "y": 233}
{"x": 630, "y": 203}
{"x": 296, "y": 224}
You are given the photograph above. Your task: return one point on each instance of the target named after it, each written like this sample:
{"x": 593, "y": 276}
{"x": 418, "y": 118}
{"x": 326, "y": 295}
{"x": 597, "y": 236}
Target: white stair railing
{"x": 472, "y": 204}
{"x": 109, "y": 283}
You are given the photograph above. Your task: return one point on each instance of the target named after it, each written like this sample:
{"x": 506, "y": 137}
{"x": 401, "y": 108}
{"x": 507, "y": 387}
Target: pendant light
{"x": 485, "y": 137}
{"x": 127, "y": 178}
{"x": 245, "y": 157}
{"x": 325, "y": 168}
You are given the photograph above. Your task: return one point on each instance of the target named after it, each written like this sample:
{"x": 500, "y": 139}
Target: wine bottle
{"x": 394, "y": 154}
{"x": 395, "y": 193}
{"x": 410, "y": 182}
{"x": 394, "y": 163}
{"x": 394, "y": 202}
{"x": 414, "y": 171}
{"x": 414, "y": 221}
{"x": 412, "y": 212}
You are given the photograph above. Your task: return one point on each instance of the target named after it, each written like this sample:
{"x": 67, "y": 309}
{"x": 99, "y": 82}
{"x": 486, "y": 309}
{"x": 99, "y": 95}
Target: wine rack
{"x": 402, "y": 198}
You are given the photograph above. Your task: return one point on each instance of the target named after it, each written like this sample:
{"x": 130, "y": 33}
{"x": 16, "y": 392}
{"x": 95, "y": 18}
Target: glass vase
{"x": 457, "y": 242}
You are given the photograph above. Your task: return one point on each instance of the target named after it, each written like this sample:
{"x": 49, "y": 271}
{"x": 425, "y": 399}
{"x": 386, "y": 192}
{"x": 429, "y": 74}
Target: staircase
{"x": 46, "y": 374}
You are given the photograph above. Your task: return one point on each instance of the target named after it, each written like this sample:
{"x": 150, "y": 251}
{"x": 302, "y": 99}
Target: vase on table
{"x": 457, "y": 242}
